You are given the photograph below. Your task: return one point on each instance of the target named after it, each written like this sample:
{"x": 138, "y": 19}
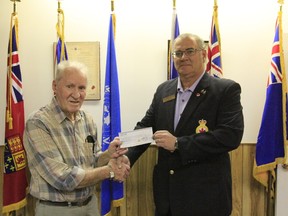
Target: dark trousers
{"x": 168, "y": 214}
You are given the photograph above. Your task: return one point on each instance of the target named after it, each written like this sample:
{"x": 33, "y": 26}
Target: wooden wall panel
{"x": 132, "y": 191}
{"x": 145, "y": 173}
{"x": 254, "y": 195}
{"x": 249, "y": 196}
{"x": 237, "y": 179}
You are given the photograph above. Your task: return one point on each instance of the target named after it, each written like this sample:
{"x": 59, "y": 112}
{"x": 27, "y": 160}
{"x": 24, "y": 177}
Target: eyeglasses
{"x": 188, "y": 52}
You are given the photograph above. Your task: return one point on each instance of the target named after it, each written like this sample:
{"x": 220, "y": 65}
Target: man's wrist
{"x": 111, "y": 172}
{"x": 109, "y": 154}
{"x": 176, "y": 144}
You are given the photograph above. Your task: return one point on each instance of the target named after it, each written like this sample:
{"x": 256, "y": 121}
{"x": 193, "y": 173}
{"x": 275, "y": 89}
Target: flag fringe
{"x": 261, "y": 174}
{"x": 14, "y": 206}
{"x": 108, "y": 214}
{"x": 118, "y": 202}
{"x": 115, "y": 203}
{"x": 284, "y": 86}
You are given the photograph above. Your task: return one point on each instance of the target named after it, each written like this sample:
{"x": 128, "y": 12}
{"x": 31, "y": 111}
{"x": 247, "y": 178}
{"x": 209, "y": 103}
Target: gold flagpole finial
{"x": 59, "y": 5}
{"x": 174, "y": 4}
{"x": 215, "y": 5}
{"x": 112, "y": 5}
{"x": 14, "y": 5}
{"x": 281, "y": 2}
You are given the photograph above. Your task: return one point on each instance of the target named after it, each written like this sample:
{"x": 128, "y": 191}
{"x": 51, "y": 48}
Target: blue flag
{"x": 272, "y": 137}
{"x": 111, "y": 192}
{"x": 61, "y": 51}
{"x": 174, "y": 33}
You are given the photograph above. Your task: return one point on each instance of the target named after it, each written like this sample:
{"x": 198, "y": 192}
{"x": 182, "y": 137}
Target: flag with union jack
{"x": 15, "y": 182}
{"x": 272, "y": 138}
{"x": 172, "y": 73}
{"x": 214, "y": 63}
{"x": 111, "y": 191}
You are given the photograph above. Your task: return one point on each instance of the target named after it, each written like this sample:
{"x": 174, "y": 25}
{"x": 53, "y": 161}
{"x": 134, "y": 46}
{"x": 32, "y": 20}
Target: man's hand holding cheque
{"x": 136, "y": 137}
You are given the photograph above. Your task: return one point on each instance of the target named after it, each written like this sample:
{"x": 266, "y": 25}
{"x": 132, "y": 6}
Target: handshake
{"x": 119, "y": 163}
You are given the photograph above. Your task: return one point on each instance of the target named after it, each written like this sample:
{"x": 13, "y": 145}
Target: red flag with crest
{"x": 15, "y": 182}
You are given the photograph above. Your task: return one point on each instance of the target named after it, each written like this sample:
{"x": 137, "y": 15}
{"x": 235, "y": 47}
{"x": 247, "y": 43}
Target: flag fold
{"x": 15, "y": 182}
{"x": 111, "y": 191}
{"x": 172, "y": 73}
{"x": 61, "y": 50}
{"x": 214, "y": 62}
{"x": 272, "y": 138}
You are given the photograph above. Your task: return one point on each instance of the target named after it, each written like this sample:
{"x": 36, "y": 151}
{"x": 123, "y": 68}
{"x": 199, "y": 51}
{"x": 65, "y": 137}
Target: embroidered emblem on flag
{"x": 14, "y": 155}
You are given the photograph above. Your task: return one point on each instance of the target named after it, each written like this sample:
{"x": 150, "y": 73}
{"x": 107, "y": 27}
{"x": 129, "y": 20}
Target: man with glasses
{"x": 197, "y": 120}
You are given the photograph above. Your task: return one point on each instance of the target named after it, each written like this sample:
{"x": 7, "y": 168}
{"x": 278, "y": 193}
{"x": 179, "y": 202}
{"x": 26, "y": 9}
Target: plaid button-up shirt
{"x": 58, "y": 153}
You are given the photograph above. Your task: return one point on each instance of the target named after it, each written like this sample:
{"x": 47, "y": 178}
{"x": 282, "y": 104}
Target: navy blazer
{"x": 195, "y": 179}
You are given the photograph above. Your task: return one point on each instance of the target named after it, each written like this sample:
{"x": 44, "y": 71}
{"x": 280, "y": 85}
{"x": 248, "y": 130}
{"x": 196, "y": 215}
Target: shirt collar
{"x": 61, "y": 116}
{"x": 191, "y": 88}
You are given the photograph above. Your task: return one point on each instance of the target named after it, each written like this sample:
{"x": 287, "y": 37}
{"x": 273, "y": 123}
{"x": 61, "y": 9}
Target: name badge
{"x": 169, "y": 98}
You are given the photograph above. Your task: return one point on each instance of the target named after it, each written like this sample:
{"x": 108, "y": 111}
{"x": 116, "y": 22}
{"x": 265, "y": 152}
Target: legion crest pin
{"x": 202, "y": 128}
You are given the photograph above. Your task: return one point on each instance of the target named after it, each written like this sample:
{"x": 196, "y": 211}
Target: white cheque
{"x": 136, "y": 137}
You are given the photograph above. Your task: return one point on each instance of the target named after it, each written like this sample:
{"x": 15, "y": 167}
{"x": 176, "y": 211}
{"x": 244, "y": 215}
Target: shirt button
{"x": 171, "y": 172}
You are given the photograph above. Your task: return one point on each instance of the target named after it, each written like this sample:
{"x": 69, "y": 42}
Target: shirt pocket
{"x": 87, "y": 155}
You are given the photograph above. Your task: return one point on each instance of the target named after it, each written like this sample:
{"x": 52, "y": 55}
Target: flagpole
{"x": 61, "y": 52}
{"x": 270, "y": 203}
{"x": 115, "y": 204}
{"x": 271, "y": 184}
{"x": 113, "y": 18}
{"x": 2, "y": 148}
{"x": 116, "y": 207}
{"x": 112, "y": 6}
{"x": 14, "y": 5}
{"x": 215, "y": 5}
{"x": 169, "y": 74}
{"x": 60, "y": 29}
{"x": 171, "y": 71}
{"x": 281, "y": 2}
